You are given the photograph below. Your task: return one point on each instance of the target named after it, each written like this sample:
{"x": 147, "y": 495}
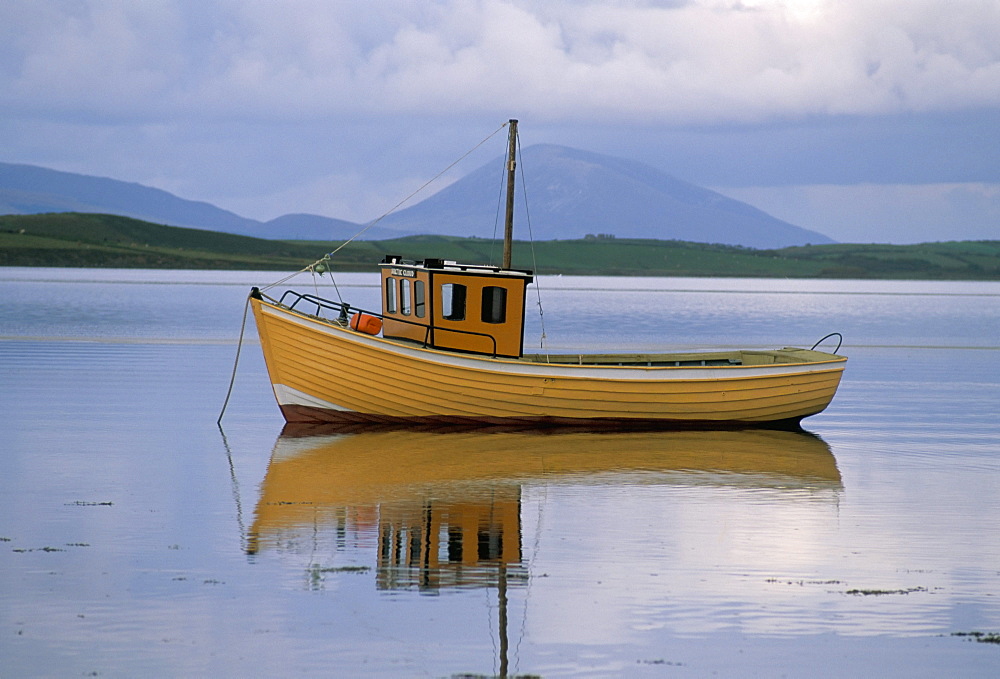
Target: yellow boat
{"x": 447, "y": 348}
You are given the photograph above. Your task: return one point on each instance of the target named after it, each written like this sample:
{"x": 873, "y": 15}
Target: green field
{"x": 91, "y": 240}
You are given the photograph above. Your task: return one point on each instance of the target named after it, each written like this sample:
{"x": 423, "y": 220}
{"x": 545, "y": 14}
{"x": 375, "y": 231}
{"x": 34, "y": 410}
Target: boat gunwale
{"x": 407, "y": 346}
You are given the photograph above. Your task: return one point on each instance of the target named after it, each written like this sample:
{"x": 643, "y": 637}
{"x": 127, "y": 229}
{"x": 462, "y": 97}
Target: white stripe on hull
{"x": 287, "y": 396}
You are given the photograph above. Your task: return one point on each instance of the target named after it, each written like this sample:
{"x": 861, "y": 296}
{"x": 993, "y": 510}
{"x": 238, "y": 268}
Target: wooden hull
{"x": 322, "y": 372}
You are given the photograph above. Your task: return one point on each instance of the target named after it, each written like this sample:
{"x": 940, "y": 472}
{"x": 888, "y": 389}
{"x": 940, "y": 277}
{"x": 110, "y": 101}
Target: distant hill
{"x": 94, "y": 240}
{"x": 27, "y": 189}
{"x": 313, "y": 227}
{"x": 75, "y": 239}
{"x": 571, "y": 194}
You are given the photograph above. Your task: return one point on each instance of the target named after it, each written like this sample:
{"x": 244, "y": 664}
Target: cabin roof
{"x": 450, "y": 266}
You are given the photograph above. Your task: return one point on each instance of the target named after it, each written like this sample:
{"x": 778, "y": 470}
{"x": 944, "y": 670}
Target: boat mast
{"x": 508, "y": 226}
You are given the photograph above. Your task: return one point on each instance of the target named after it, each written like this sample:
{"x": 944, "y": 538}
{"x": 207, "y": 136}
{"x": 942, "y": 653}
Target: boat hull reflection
{"x": 444, "y": 509}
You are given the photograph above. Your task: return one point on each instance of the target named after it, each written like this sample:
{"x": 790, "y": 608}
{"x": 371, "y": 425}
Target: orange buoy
{"x": 366, "y": 323}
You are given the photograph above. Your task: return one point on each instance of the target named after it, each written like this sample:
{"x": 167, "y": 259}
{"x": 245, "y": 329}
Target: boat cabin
{"x": 462, "y": 307}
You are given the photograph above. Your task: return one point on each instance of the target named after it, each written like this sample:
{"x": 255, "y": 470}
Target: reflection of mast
{"x": 438, "y": 544}
{"x": 502, "y": 601}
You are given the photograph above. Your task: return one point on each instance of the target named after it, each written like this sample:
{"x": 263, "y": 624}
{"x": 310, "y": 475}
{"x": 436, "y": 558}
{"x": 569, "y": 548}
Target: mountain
{"x": 573, "y": 193}
{"x": 27, "y": 189}
{"x": 301, "y": 226}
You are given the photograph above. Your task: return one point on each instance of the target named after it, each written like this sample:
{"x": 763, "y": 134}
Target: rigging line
{"x": 496, "y": 216}
{"x": 531, "y": 240}
{"x": 337, "y": 288}
{"x": 317, "y": 272}
{"x": 388, "y": 212}
{"x": 236, "y": 362}
{"x": 425, "y": 185}
{"x": 293, "y": 275}
{"x": 317, "y": 267}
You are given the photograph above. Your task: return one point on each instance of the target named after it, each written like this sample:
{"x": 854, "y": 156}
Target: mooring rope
{"x": 239, "y": 346}
{"x": 322, "y": 265}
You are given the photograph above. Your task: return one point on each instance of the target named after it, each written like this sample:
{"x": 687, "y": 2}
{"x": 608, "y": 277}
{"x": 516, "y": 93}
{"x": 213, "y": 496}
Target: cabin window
{"x": 454, "y": 544}
{"x": 390, "y": 295}
{"x": 494, "y": 304}
{"x": 453, "y": 301}
{"x": 404, "y": 296}
{"x": 419, "y": 301}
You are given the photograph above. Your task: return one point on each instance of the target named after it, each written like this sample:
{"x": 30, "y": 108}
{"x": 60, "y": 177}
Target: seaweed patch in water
{"x": 661, "y": 661}
{"x": 981, "y": 637}
{"x": 803, "y": 583}
{"x": 465, "y": 675}
{"x": 82, "y": 503}
{"x": 883, "y": 592}
{"x": 342, "y": 569}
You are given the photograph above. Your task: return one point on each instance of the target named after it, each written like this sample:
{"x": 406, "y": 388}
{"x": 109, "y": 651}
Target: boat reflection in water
{"x": 444, "y": 509}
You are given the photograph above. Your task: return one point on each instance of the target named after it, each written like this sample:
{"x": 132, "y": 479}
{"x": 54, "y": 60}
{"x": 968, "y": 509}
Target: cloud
{"x": 340, "y": 108}
{"x": 695, "y": 61}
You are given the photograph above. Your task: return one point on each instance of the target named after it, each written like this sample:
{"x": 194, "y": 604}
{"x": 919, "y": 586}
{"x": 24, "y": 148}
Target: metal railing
{"x": 343, "y": 312}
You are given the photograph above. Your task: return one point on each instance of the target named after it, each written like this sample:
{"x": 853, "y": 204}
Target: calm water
{"x": 137, "y": 539}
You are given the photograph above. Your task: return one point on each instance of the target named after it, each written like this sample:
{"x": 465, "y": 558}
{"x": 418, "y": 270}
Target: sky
{"x": 866, "y": 120}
